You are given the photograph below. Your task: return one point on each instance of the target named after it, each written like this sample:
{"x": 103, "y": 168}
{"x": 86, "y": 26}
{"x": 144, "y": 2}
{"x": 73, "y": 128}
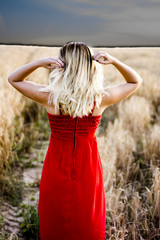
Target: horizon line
{"x": 94, "y": 46}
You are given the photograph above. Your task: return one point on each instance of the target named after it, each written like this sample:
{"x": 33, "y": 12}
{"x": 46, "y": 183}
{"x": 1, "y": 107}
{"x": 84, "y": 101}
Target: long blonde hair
{"x": 75, "y": 87}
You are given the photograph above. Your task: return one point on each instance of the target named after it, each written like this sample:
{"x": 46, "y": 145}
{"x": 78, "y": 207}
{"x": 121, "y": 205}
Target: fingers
{"x": 56, "y": 61}
{"x": 60, "y": 62}
{"x": 98, "y": 55}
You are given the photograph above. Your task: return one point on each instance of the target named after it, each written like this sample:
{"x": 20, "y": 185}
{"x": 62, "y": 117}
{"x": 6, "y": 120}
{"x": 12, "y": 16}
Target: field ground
{"x": 128, "y": 139}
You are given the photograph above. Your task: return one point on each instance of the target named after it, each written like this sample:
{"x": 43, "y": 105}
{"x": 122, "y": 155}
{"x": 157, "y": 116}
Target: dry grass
{"x": 135, "y": 112}
{"x": 151, "y": 144}
{"x": 129, "y": 146}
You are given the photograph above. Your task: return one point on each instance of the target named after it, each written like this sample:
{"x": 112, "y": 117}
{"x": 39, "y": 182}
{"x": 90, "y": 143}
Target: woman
{"x": 71, "y": 197}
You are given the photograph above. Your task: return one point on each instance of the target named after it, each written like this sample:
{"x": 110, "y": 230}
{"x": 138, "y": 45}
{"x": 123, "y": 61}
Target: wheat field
{"x": 128, "y": 137}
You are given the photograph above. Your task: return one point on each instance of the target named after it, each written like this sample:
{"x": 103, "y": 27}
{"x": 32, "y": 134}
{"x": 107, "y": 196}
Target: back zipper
{"x": 74, "y": 133}
{"x": 74, "y": 146}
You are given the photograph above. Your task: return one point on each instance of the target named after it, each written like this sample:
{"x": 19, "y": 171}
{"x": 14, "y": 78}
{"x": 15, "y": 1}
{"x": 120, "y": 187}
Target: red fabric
{"x": 72, "y": 202}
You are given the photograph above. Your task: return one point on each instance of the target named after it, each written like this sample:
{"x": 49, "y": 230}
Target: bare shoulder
{"x": 118, "y": 92}
{"x": 50, "y": 108}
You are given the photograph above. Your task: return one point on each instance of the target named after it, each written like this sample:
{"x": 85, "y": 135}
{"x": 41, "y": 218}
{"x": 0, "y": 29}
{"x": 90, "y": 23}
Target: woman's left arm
{"x": 28, "y": 88}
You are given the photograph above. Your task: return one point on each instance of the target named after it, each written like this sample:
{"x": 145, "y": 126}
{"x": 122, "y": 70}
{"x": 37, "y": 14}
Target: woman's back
{"x": 96, "y": 111}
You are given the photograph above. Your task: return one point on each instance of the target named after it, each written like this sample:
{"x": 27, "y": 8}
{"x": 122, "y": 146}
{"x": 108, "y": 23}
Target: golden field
{"x": 128, "y": 137}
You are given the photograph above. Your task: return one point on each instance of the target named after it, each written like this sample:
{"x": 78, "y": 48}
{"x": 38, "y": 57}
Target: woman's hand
{"x": 50, "y": 62}
{"x": 103, "y": 57}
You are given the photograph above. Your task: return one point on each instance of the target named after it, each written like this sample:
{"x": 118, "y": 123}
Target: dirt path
{"x": 31, "y": 178}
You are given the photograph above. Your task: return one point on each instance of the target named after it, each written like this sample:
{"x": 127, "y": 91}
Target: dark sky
{"x": 95, "y": 22}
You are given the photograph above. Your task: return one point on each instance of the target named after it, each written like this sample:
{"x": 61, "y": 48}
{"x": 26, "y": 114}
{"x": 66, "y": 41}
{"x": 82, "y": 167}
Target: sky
{"x": 94, "y": 22}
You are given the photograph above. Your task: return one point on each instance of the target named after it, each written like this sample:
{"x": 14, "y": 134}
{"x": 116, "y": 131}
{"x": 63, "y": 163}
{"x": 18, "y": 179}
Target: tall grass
{"x": 130, "y": 153}
{"x": 129, "y": 143}
{"x": 18, "y": 117}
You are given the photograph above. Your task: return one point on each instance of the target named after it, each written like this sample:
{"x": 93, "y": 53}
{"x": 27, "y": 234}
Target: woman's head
{"x": 74, "y": 53}
{"x": 78, "y": 83}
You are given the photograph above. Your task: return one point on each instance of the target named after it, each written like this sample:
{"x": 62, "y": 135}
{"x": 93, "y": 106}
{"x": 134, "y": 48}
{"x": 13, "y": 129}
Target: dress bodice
{"x": 66, "y": 123}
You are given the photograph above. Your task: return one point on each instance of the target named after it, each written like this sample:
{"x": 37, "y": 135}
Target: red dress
{"x": 72, "y": 202}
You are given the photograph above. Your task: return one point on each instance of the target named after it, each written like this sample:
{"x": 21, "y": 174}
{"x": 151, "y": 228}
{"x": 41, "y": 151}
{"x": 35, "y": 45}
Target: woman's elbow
{"x": 10, "y": 80}
{"x": 139, "y": 81}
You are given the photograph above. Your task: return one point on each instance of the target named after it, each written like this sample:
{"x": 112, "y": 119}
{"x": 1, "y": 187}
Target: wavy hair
{"x": 76, "y": 86}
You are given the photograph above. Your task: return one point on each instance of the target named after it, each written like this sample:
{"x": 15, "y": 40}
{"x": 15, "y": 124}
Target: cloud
{"x": 127, "y": 16}
{"x": 108, "y": 10}
{"x": 117, "y": 22}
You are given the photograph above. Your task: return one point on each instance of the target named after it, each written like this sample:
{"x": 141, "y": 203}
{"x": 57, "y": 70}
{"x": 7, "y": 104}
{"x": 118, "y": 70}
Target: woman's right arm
{"x": 122, "y": 90}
